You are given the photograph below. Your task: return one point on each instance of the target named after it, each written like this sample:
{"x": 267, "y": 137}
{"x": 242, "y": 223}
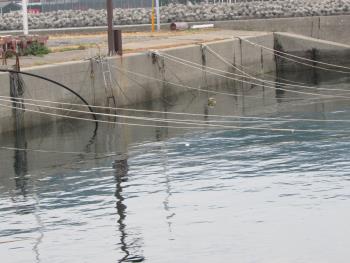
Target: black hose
{"x": 59, "y": 84}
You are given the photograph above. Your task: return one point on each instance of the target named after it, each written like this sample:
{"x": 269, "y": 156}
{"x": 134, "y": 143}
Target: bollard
{"x": 118, "y": 44}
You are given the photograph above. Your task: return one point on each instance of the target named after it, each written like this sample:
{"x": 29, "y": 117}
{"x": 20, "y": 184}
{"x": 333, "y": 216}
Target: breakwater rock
{"x": 178, "y": 12}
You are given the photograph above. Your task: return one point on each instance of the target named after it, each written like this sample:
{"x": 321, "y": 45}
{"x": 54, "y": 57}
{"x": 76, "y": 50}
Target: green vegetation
{"x": 36, "y": 49}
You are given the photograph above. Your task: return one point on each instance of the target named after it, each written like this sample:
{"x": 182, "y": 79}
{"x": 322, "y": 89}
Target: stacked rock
{"x": 179, "y": 13}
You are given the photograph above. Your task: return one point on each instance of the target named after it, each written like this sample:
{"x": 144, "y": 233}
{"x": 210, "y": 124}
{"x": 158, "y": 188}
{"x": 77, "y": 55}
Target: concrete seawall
{"x": 86, "y": 78}
{"x": 310, "y": 48}
{"x": 320, "y": 27}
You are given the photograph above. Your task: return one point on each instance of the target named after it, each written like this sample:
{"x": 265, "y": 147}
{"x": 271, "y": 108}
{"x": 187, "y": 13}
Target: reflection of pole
{"x": 121, "y": 172}
{"x": 25, "y": 16}
{"x": 110, "y": 27}
{"x": 20, "y": 165}
{"x": 121, "y": 168}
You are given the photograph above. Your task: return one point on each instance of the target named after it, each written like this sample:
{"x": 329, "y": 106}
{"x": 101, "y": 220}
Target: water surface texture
{"x": 184, "y": 195}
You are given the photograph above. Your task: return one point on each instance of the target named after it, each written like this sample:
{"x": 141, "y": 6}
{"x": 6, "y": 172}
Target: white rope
{"x": 184, "y": 86}
{"x": 177, "y": 127}
{"x": 176, "y": 113}
{"x": 273, "y": 76}
{"x": 221, "y": 93}
{"x": 140, "y": 110}
{"x": 268, "y": 81}
{"x": 199, "y": 66}
{"x": 301, "y": 58}
{"x": 51, "y": 151}
{"x": 296, "y": 61}
{"x": 169, "y": 120}
{"x": 99, "y": 121}
{"x": 256, "y": 84}
{"x": 11, "y": 99}
{"x": 92, "y": 154}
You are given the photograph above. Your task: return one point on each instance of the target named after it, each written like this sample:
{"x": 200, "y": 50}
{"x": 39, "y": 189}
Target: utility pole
{"x": 111, "y": 49}
{"x": 25, "y": 16}
{"x": 155, "y": 12}
{"x": 152, "y": 16}
{"x": 158, "y": 15}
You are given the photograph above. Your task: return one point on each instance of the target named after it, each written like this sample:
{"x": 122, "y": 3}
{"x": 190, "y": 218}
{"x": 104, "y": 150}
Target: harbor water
{"x": 192, "y": 194}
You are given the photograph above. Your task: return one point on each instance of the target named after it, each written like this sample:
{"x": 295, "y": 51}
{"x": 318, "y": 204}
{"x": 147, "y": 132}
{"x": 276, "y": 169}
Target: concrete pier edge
{"x": 85, "y": 77}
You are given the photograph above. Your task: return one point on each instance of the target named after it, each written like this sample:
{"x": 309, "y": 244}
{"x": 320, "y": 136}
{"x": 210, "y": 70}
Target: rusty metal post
{"x": 110, "y": 27}
{"x": 118, "y": 44}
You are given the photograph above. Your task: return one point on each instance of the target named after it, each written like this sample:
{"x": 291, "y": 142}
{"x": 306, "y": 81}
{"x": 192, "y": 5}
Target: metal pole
{"x": 110, "y": 27}
{"x": 158, "y": 15}
{"x": 25, "y": 16}
{"x": 152, "y": 18}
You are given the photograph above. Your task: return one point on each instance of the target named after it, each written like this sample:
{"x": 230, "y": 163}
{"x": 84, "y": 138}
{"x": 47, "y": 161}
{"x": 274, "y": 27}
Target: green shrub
{"x": 36, "y": 49}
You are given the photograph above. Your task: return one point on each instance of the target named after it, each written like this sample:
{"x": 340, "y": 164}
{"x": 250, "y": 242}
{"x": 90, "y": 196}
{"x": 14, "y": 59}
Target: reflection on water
{"x": 171, "y": 195}
{"x": 121, "y": 176}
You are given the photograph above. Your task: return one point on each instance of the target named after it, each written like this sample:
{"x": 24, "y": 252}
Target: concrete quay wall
{"x": 332, "y": 28}
{"x": 86, "y": 78}
{"x": 310, "y": 48}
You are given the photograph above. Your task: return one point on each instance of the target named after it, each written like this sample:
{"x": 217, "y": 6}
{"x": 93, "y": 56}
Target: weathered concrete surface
{"x": 311, "y": 48}
{"x": 85, "y": 77}
{"x": 320, "y": 27}
{"x": 5, "y": 113}
{"x": 132, "y": 42}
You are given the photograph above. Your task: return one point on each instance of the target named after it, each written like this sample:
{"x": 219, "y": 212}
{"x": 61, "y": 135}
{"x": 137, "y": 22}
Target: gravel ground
{"x": 133, "y": 42}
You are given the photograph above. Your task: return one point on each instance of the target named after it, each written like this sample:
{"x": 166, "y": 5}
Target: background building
{"x": 8, "y": 6}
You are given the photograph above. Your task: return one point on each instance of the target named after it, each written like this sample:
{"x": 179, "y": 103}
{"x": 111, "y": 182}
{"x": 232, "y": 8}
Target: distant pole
{"x": 158, "y": 15}
{"x": 25, "y": 16}
{"x": 152, "y": 18}
{"x": 110, "y": 27}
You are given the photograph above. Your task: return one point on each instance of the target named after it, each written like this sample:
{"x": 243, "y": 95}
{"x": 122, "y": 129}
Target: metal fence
{"x": 54, "y": 5}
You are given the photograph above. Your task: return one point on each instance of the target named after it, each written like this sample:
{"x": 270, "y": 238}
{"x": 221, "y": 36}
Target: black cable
{"x": 59, "y": 84}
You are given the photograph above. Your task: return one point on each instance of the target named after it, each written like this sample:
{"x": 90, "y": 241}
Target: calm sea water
{"x": 172, "y": 195}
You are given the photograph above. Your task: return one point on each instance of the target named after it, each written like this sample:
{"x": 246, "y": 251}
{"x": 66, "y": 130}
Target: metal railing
{"x": 55, "y": 5}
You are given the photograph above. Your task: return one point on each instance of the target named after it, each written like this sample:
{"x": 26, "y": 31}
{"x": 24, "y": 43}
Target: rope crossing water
{"x": 241, "y": 118}
{"x": 212, "y": 71}
{"x": 267, "y": 81}
{"x": 195, "y": 124}
{"x": 287, "y": 57}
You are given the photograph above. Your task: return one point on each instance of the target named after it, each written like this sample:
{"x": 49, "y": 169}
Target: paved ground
{"x": 78, "y": 47}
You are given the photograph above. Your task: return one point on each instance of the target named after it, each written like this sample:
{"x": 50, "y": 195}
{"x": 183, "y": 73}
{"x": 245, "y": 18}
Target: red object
{"x": 34, "y": 11}
{"x": 20, "y": 43}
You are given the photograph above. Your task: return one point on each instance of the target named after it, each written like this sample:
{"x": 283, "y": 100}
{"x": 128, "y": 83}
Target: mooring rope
{"x": 170, "y": 120}
{"x": 179, "y": 113}
{"x": 183, "y": 86}
{"x": 199, "y": 66}
{"x": 44, "y": 151}
{"x": 307, "y": 101}
{"x": 206, "y": 126}
{"x": 298, "y": 57}
{"x": 197, "y": 125}
{"x": 251, "y": 83}
{"x": 268, "y": 81}
{"x": 225, "y": 93}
